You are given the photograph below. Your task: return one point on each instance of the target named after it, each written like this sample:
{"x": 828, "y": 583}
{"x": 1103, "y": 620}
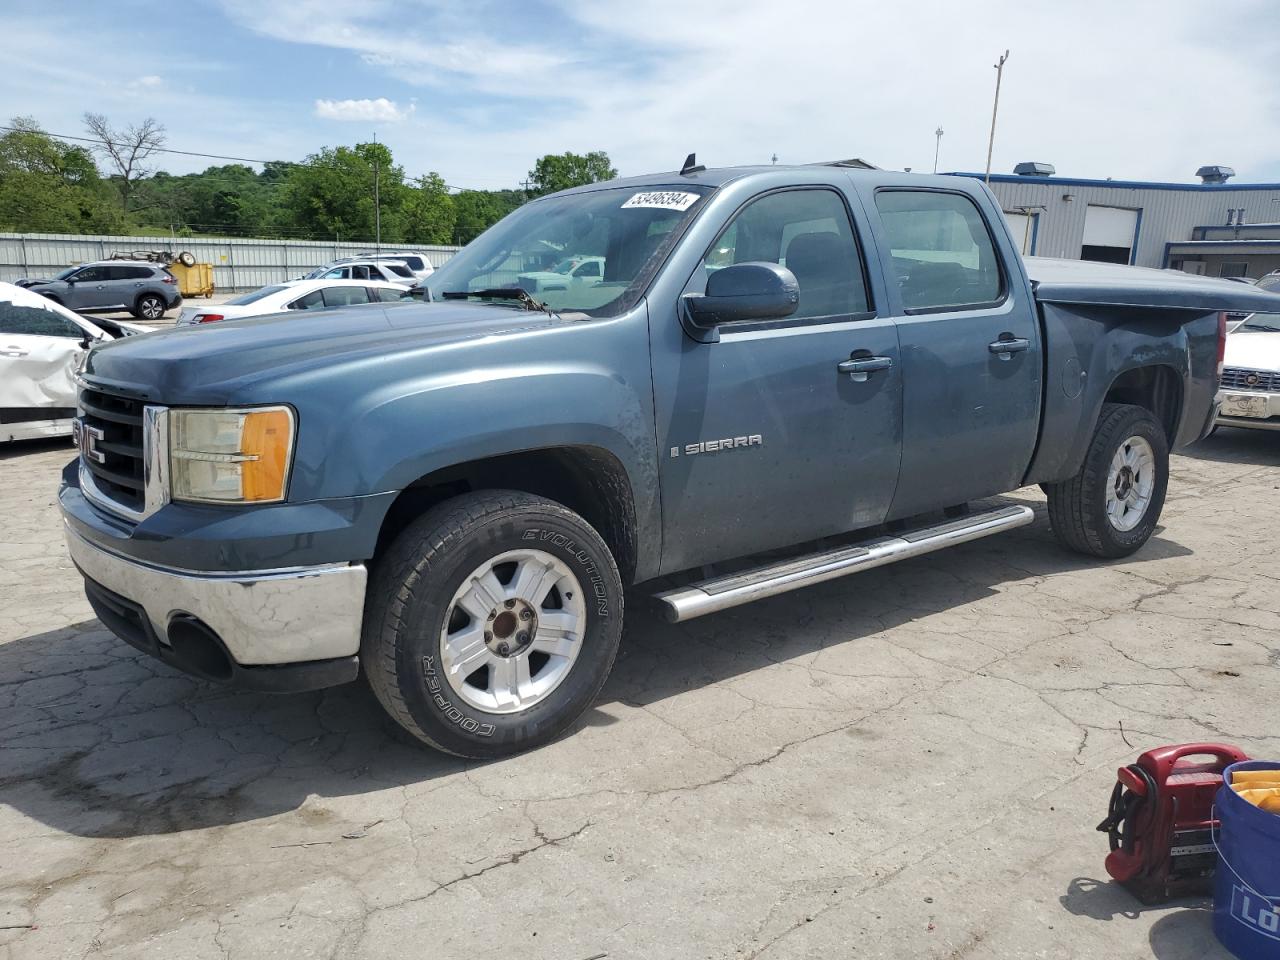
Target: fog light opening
{"x": 198, "y": 649}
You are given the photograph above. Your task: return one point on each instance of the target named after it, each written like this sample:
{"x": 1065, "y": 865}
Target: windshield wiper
{"x": 500, "y": 293}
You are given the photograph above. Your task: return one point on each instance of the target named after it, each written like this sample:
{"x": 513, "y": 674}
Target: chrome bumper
{"x": 263, "y": 617}
{"x": 1252, "y": 409}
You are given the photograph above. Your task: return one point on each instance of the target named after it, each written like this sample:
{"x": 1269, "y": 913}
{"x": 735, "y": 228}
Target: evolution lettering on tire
{"x": 491, "y": 623}
{"x": 598, "y": 590}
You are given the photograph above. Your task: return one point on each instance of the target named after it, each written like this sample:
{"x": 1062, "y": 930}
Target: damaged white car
{"x": 42, "y": 345}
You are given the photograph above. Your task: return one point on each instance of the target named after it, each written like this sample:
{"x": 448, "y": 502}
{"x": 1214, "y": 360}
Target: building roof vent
{"x": 1033, "y": 169}
{"x": 1215, "y": 174}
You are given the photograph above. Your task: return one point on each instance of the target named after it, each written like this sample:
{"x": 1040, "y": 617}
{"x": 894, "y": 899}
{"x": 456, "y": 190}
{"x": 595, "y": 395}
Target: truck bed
{"x": 1080, "y": 281}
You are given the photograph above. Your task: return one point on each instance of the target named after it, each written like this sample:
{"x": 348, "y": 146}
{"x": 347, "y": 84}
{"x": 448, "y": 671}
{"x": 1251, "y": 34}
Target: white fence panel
{"x": 238, "y": 264}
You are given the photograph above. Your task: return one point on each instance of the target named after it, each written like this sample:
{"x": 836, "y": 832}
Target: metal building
{"x": 1213, "y": 227}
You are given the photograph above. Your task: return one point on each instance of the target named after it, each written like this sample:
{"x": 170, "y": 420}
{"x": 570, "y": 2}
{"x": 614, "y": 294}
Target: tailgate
{"x": 1079, "y": 281}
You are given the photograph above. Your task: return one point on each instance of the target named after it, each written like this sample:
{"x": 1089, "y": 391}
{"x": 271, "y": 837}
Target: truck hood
{"x": 218, "y": 362}
{"x": 1253, "y": 350}
{"x": 1079, "y": 281}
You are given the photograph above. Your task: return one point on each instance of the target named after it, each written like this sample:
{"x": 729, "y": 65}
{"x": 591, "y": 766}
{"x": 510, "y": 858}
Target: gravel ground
{"x": 906, "y": 763}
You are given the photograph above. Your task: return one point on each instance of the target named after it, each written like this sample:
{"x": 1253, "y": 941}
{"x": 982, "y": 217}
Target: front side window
{"x": 36, "y": 322}
{"x": 809, "y": 233}
{"x": 943, "y": 255}
{"x": 398, "y": 270}
{"x": 90, "y": 275}
{"x": 344, "y": 296}
{"x": 626, "y": 230}
{"x": 391, "y": 295}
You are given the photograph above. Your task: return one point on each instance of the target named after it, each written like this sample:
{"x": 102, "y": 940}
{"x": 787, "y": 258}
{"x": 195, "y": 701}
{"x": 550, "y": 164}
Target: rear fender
{"x": 1092, "y": 348}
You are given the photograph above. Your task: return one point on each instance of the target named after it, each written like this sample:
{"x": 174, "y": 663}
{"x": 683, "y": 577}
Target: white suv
{"x": 392, "y": 271}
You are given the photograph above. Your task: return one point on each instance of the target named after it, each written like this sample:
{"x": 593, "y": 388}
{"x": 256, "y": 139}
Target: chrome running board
{"x": 721, "y": 593}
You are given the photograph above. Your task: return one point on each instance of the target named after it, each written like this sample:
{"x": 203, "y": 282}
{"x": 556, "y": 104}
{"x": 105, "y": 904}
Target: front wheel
{"x": 1111, "y": 507}
{"x": 492, "y": 623}
{"x": 149, "y": 307}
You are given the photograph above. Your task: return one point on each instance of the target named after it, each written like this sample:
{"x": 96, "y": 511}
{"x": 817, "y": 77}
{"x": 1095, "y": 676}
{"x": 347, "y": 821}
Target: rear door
{"x": 971, "y": 351}
{"x": 764, "y": 441}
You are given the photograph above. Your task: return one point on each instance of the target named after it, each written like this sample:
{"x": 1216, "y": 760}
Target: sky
{"x": 476, "y": 90}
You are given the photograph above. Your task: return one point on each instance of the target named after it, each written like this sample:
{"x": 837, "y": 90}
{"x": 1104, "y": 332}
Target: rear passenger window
{"x": 345, "y": 296}
{"x": 943, "y": 255}
{"x": 809, "y": 233}
{"x": 312, "y": 301}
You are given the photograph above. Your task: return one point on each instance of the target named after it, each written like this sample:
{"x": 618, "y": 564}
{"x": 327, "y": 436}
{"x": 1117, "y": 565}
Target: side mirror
{"x": 743, "y": 291}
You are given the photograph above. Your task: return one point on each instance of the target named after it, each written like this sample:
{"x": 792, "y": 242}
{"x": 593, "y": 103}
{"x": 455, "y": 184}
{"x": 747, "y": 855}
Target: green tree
{"x": 429, "y": 212}
{"x": 331, "y": 193}
{"x": 47, "y": 186}
{"x": 560, "y": 171}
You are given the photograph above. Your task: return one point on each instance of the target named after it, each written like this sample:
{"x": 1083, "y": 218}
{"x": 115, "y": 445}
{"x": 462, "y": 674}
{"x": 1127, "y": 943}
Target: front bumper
{"x": 1252, "y": 409}
{"x": 279, "y": 630}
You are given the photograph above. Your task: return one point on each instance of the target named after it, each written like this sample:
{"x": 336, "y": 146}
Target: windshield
{"x": 1261, "y": 321}
{"x": 626, "y": 231}
{"x": 254, "y": 297}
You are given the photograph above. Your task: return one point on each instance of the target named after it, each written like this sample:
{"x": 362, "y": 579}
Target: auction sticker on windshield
{"x": 662, "y": 200}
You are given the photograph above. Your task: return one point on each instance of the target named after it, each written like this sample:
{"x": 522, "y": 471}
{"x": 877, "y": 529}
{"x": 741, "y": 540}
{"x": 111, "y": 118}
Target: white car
{"x": 42, "y": 345}
{"x": 391, "y": 271}
{"x": 569, "y": 272}
{"x": 296, "y": 295}
{"x": 1250, "y": 391}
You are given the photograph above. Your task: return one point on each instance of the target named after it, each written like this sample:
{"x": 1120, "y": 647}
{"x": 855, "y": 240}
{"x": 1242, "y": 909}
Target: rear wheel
{"x": 1111, "y": 507}
{"x": 149, "y": 307}
{"x": 492, "y": 622}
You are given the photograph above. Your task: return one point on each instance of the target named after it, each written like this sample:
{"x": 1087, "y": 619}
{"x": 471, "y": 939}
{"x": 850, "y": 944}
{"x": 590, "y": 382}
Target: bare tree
{"x": 127, "y": 149}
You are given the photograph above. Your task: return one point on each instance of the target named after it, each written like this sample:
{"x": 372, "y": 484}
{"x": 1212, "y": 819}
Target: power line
{"x": 191, "y": 153}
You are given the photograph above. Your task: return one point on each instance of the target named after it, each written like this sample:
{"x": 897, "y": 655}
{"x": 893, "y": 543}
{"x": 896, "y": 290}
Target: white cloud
{"x": 149, "y": 82}
{"x": 1138, "y": 90}
{"x": 380, "y": 110}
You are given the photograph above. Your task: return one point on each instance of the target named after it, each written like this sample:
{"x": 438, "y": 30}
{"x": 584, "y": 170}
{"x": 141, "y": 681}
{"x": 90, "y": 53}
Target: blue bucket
{"x": 1246, "y": 887}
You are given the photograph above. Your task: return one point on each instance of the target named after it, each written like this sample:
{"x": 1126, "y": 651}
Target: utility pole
{"x": 775, "y": 160}
{"x": 936, "y": 148}
{"x": 377, "y": 206}
{"x": 525, "y": 183}
{"x": 995, "y": 106}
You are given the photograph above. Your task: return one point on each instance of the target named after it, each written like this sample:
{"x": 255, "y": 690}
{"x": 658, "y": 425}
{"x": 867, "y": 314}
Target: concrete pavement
{"x": 906, "y": 763}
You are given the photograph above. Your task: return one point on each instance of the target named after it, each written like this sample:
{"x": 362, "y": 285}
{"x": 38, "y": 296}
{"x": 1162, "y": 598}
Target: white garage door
{"x": 1022, "y": 228}
{"x": 1110, "y": 227}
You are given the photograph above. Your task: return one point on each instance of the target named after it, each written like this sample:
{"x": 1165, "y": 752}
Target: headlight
{"x": 230, "y": 456}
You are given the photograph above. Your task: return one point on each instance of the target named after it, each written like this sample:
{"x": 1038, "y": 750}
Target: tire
{"x": 187, "y": 259}
{"x": 149, "y": 307}
{"x": 483, "y": 683}
{"x": 1106, "y": 513}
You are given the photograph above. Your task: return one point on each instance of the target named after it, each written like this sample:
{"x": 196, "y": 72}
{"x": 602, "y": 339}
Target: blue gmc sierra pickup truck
{"x": 824, "y": 365}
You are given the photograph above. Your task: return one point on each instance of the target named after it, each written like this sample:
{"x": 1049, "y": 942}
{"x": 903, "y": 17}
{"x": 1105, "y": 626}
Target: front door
{"x": 89, "y": 290}
{"x": 763, "y": 440}
{"x": 971, "y": 351}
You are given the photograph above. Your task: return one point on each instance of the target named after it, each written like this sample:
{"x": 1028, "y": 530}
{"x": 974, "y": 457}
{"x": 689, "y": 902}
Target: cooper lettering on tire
{"x": 492, "y": 622}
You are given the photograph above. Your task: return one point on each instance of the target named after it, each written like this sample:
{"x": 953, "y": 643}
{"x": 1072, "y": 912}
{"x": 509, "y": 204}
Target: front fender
{"x": 582, "y": 385}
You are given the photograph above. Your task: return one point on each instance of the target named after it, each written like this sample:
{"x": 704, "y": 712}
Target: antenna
{"x": 691, "y": 166}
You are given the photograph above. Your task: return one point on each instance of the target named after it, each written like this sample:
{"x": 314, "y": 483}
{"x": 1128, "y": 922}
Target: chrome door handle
{"x": 859, "y": 368}
{"x": 1005, "y": 348}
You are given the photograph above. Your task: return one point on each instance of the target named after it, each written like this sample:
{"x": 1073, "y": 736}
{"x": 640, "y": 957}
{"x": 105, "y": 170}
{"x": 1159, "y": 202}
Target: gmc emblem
{"x": 87, "y": 439}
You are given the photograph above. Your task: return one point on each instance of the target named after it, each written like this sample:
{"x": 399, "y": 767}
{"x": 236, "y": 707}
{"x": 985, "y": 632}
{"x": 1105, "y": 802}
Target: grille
{"x": 112, "y": 429}
{"x": 1237, "y": 378}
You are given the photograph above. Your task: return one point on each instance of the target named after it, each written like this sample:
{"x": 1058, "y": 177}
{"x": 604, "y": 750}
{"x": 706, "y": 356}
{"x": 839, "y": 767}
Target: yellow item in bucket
{"x": 1259, "y": 787}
